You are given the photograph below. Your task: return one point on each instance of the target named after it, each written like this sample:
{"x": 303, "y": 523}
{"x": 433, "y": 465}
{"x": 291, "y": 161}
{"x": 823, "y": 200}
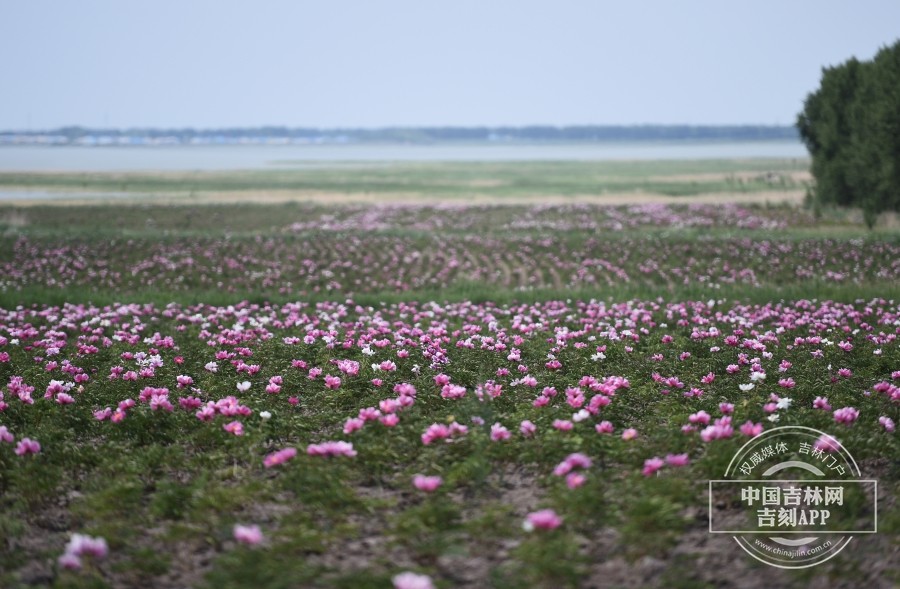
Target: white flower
{"x": 757, "y": 376}
{"x": 243, "y": 386}
{"x": 746, "y": 387}
{"x": 784, "y": 403}
{"x": 773, "y": 418}
{"x": 598, "y": 356}
{"x": 265, "y": 415}
{"x": 580, "y": 416}
{"x": 212, "y": 366}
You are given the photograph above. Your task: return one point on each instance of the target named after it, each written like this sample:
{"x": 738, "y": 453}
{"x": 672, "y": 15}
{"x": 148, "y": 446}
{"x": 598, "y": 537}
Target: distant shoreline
{"x": 97, "y": 137}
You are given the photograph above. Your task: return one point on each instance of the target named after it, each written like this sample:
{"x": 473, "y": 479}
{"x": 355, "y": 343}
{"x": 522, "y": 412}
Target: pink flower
{"x": 629, "y": 434}
{"x": 572, "y": 461}
{"x": 726, "y": 408}
{"x": 389, "y": 420}
{"x": 69, "y": 561}
{"x": 575, "y": 480}
{"x": 884, "y": 420}
{"x": 821, "y": 403}
{"x": 5, "y": 436}
{"x": 235, "y": 427}
{"x": 827, "y": 443}
{"x": 499, "y": 433}
{"x": 545, "y": 519}
{"x": 249, "y": 535}
{"x": 332, "y": 382}
{"x": 436, "y": 431}
{"x": 409, "y": 580}
{"x": 353, "y": 424}
{"x": 331, "y": 449}
{"x": 183, "y": 381}
{"x": 563, "y": 425}
{"x": 651, "y": 465}
{"x": 27, "y": 446}
{"x": 846, "y": 415}
{"x": 701, "y": 417}
{"x": 84, "y": 545}
{"x": 677, "y": 459}
{"x": 427, "y": 483}
{"x": 527, "y": 428}
{"x": 279, "y": 457}
{"x": 604, "y": 427}
{"x": 751, "y": 429}
{"x": 716, "y": 432}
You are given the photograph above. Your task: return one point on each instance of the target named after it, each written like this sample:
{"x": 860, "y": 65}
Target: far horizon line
{"x": 379, "y": 128}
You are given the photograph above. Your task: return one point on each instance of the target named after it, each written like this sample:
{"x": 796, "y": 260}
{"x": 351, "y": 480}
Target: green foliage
{"x": 851, "y": 126}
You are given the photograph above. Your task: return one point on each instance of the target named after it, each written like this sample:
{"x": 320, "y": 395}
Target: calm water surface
{"x": 111, "y": 159}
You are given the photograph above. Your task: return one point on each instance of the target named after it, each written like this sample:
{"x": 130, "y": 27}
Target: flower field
{"x": 377, "y": 396}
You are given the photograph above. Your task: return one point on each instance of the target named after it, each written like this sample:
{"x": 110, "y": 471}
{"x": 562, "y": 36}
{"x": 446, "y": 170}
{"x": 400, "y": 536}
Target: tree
{"x": 851, "y": 126}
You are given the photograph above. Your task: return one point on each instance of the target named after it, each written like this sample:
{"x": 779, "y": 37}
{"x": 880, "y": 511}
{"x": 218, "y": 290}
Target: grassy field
{"x": 490, "y": 391}
{"x": 496, "y": 181}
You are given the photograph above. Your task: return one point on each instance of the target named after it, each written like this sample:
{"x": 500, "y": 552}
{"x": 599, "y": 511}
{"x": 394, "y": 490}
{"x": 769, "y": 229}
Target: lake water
{"x": 110, "y": 159}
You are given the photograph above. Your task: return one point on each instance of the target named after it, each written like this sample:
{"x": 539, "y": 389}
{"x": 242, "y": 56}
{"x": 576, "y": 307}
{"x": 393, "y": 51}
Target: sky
{"x": 379, "y": 63}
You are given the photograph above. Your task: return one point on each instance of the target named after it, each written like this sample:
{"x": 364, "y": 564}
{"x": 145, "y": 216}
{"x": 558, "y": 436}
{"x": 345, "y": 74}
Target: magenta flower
{"x": 527, "y": 428}
{"x": 751, "y": 429}
{"x": 249, "y": 535}
{"x": 821, "y": 403}
{"x": 846, "y": 415}
{"x": 331, "y": 449}
{"x": 436, "y": 431}
{"x": 701, "y": 417}
{"x": 677, "y": 459}
{"x": 81, "y": 545}
{"x": 827, "y": 443}
{"x": 499, "y": 433}
{"x": 69, "y": 561}
{"x": 563, "y": 425}
{"x": 27, "y": 446}
{"x": 575, "y": 480}
{"x": 409, "y": 580}
{"x": 716, "y": 432}
{"x": 604, "y": 427}
{"x": 353, "y": 424}
{"x": 279, "y": 457}
{"x": 5, "y": 436}
{"x": 235, "y": 427}
{"x": 545, "y": 519}
{"x": 651, "y": 465}
{"x": 427, "y": 483}
{"x": 572, "y": 461}
{"x": 884, "y": 420}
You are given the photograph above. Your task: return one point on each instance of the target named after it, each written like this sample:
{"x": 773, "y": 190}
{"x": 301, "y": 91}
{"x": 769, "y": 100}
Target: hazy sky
{"x": 373, "y": 63}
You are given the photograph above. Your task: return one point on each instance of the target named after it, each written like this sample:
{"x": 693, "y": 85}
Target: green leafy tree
{"x": 851, "y": 126}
